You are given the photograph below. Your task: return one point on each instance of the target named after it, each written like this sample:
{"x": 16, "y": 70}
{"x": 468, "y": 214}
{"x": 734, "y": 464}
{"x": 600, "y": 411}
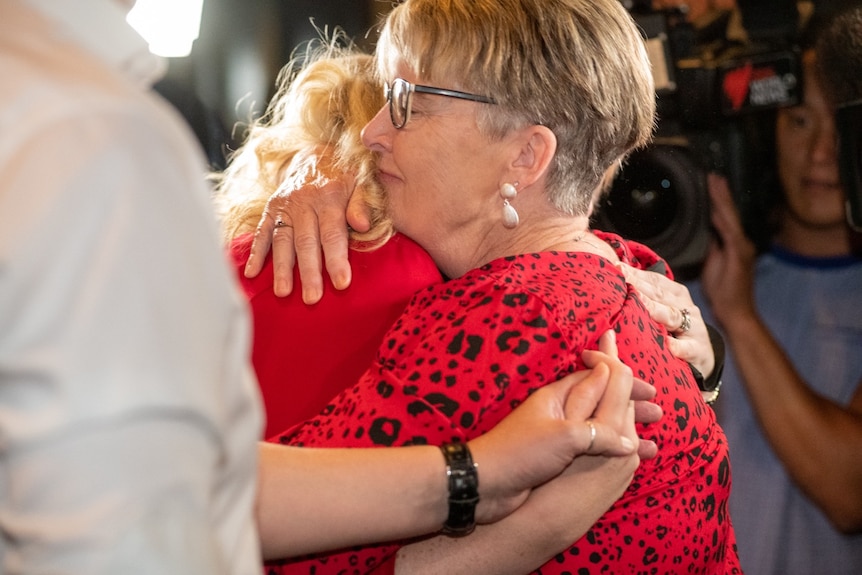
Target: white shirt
{"x": 128, "y": 410}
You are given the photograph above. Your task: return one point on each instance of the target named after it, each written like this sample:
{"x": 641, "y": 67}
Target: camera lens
{"x": 645, "y": 204}
{"x": 659, "y": 199}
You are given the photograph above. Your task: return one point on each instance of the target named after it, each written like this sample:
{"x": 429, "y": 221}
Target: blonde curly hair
{"x": 323, "y": 100}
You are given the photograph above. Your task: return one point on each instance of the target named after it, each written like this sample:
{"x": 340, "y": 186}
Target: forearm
{"x": 817, "y": 440}
{"x": 313, "y": 500}
{"x": 321, "y": 499}
{"x": 553, "y": 518}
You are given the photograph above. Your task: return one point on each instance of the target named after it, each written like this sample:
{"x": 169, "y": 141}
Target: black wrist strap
{"x": 463, "y": 489}
{"x": 713, "y": 382}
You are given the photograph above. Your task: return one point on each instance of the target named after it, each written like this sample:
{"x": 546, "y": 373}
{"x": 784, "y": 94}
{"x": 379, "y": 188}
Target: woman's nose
{"x": 374, "y": 132}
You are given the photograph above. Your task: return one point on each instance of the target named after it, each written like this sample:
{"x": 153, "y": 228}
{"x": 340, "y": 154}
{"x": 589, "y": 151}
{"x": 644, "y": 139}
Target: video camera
{"x": 848, "y": 118}
{"x": 712, "y": 94}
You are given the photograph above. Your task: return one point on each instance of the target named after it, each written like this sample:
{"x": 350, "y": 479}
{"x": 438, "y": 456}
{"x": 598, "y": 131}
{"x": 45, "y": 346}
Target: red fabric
{"x": 466, "y": 352}
{"x": 306, "y": 355}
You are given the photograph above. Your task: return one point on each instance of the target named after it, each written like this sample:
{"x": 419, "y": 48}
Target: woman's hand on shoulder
{"x": 305, "y": 218}
{"x": 666, "y": 300}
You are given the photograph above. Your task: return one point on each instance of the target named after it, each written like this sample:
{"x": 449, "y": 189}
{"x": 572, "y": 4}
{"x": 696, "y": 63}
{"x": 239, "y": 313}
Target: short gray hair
{"x": 578, "y": 67}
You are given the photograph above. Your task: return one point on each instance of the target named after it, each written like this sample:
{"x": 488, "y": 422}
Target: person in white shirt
{"x": 128, "y": 413}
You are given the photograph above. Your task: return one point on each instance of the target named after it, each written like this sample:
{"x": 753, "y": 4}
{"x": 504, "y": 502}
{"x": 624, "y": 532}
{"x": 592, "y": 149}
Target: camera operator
{"x": 792, "y": 317}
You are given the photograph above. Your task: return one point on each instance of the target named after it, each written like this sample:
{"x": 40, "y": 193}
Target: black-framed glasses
{"x": 399, "y": 94}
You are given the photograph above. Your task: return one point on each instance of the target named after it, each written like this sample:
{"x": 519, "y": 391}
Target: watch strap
{"x": 463, "y": 479}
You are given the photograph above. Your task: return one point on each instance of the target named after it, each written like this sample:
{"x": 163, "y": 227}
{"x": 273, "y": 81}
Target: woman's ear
{"x": 537, "y": 146}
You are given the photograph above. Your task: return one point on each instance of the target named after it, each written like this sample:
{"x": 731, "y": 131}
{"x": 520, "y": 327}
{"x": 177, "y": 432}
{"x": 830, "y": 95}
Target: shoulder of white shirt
{"x": 100, "y": 27}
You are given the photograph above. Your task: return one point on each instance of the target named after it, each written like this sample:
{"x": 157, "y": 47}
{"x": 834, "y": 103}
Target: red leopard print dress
{"x": 466, "y": 352}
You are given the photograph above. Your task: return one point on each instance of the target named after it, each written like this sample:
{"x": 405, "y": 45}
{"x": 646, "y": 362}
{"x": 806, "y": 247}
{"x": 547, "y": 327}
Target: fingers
{"x": 661, "y": 296}
{"x": 626, "y": 400}
{"x": 686, "y": 347}
{"x": 664, "y": 298}
{"x": 358, "y": 216}
{"x": 656, "y": 286}
{"x": 314, "y": 228}
{"x": 615, "y": 413}
{"x": 725, "y": 216}
{"x": 324, "y": 231}
{"x": 647, "y": 449}
{"x": 604, "y": 401}
{"x": 274, "y": 231}
{"x": 310, "y": 206}
{"x": 260, "y": 244}
{"x": 643, "y": 394}
{"x": 642, "y": 390}
{"x": 647, "y": 412}
{"x": 306, "y": 243}
{"x": 608, "y": 343}
{"x": 727, "y": 221}
{"x": 599, "y": 438}
{"x": 615, "y": 410}
{"x": 283, "y": 258}
{"x": 727, "y": 275}
{"x": 599, "y": 434}
{"x": 334, "y": 234}
{"x": 585, "y": 390}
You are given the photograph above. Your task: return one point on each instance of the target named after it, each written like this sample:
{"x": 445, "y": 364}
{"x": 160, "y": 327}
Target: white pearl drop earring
{"x": 510, "y": 216}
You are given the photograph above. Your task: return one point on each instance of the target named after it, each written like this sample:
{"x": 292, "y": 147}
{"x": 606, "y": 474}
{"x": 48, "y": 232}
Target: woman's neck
{"x": 816, "y": 242}
{"x": 558, "y": 233}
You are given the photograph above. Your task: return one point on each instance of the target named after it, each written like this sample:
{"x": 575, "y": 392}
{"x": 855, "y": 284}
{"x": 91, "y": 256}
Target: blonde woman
{"x": 323, "y": 106}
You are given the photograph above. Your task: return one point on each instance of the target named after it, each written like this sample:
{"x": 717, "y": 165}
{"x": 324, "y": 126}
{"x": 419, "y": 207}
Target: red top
{"x": 305, "y": 355}
{"x": 466, "y": 352}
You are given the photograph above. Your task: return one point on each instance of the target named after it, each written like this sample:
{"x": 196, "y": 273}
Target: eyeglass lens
{"x": 399, "y": 102}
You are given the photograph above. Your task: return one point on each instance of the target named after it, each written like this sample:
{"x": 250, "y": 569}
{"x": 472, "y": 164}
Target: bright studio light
{"x": 169, "y": 26}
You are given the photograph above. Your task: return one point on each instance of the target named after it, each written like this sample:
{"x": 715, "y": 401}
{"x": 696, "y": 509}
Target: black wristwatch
{"x": 463, "y": 489}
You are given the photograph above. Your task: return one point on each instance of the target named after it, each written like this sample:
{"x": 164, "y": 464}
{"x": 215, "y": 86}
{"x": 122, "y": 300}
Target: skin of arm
{"x": 333, "y": 491}
{"x": 818, "y": 440}
{"x": 555, "y": 515}
{"x": 313, "y": 500}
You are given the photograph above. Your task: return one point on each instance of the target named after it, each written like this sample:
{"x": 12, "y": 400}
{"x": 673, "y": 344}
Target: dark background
{"x": 231, "y": 72}
{"x": 230, "y": 76}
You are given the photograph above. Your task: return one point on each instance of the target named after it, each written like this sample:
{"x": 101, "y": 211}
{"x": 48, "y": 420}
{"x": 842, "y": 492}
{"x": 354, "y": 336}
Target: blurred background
{"x": 708, "y": 120}
{"x": 230, "y": 73}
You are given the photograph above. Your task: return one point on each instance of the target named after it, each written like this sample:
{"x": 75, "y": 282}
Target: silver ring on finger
{"x": 685, "y": 324}
{"x": 592, "y": 427}
{"x": 280, "y": 223}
